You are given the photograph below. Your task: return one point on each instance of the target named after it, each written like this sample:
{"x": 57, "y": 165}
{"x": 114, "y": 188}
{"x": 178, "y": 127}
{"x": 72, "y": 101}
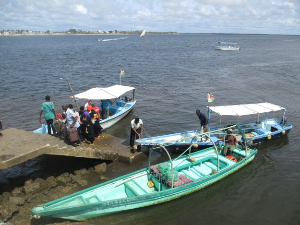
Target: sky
{"x": 183, "y": 16}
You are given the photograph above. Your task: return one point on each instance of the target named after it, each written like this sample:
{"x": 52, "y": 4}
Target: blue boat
{"x": 121, "y": 107}
{"x": 255, "y": 131}
{"x": 189, "y": 172}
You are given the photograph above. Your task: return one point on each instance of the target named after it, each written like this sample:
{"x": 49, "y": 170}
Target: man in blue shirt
{"x": 203, "y": 120}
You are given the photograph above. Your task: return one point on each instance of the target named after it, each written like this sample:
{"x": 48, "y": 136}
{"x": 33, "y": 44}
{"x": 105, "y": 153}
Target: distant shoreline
{"x": 104, "y": 34}
{"x": 118, "y": 34}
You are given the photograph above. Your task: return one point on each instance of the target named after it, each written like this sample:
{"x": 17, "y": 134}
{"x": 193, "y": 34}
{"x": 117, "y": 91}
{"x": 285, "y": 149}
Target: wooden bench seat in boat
{"x": 93, "y": 199}
{"x": 133, "y": 189}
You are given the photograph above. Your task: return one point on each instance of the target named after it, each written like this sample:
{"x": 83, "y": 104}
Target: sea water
{"x": 172, "y": 75}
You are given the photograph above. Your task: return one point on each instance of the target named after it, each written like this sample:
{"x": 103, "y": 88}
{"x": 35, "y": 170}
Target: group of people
{"x": 86, "y": 121}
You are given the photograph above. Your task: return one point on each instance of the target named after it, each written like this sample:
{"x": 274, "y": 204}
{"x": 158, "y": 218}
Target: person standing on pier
{"x": 137, "y": 126}
{"x": 73, "y": 121}
{"x": 49, "y": 113}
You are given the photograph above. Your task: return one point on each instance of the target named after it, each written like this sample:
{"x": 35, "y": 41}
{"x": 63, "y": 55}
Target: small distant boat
{"x": 256, "y": 131}
{"x": 149, "y": 186}
{"x": 108, "y": 39}
{"x": 121, "y": 107}
{"x": 227, "y": 46}
{"x": 143, "y": 33}
{"x": 112, "y": 39}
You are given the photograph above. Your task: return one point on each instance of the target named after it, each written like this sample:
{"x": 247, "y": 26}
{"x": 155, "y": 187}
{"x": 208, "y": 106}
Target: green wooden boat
{"x": 156, "y": 184}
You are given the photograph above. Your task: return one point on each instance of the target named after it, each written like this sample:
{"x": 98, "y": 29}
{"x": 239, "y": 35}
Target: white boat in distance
{"x": 120, "y": 108}
{"x": 143, "y": 33}
{"x": 227, "y": 46}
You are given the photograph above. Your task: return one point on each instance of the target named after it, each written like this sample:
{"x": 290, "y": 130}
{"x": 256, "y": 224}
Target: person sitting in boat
{"x": 230, "y": 143}
{"x": 89, "y": 109}
{"x": 137, "y": 126}
{"x": 90, "y": 102}
{"x": 105, "y": 108}
{"x": 203, "y": 121}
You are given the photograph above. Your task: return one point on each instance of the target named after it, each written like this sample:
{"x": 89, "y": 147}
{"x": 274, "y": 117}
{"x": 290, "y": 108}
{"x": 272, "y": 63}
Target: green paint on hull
{"x": 131, "y": 191}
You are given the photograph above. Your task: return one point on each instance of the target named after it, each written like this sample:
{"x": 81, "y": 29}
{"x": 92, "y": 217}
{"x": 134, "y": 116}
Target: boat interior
{"x": 194, "y": 169}
{"x": 252, "y": 129}
{"x": 119, "y": 105}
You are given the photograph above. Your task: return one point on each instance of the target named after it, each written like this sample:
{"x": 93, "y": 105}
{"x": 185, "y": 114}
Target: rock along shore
{"x": 15, "y": 206}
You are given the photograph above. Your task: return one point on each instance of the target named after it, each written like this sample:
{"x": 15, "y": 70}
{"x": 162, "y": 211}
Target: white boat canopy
{"x": 104, "y": 93}
{"x": 245, "y": 109}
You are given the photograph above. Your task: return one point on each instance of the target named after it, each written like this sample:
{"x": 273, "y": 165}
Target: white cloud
{"x": 81, "y": 9}
{"x": 223, "y": 2}
{"x": 193, "y": 16}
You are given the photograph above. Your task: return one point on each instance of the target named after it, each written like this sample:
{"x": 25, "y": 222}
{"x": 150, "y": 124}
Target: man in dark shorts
{"x": 49, "y": 113}
{"x": 203, "y": 121}
{"x": 137, "y": 126}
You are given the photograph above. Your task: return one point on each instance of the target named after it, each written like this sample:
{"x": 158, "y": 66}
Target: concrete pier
{"x": 17, "y": 146}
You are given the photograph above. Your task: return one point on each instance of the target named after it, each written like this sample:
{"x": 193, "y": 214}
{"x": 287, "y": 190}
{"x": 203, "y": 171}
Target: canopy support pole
{"x": 283, "y": 118}
{"x": 208, "y": 115}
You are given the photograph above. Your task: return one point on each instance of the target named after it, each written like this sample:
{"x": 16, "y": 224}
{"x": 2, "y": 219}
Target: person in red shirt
{"x": 230, "y": 143}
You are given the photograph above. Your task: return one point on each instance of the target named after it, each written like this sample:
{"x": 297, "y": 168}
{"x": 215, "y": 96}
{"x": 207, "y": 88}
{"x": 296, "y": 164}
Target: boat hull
{"x": 106, "y": 123}
{"x": 107, "y": 207}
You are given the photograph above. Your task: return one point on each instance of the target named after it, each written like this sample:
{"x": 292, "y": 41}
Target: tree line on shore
{"x": 75, "y": 31}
